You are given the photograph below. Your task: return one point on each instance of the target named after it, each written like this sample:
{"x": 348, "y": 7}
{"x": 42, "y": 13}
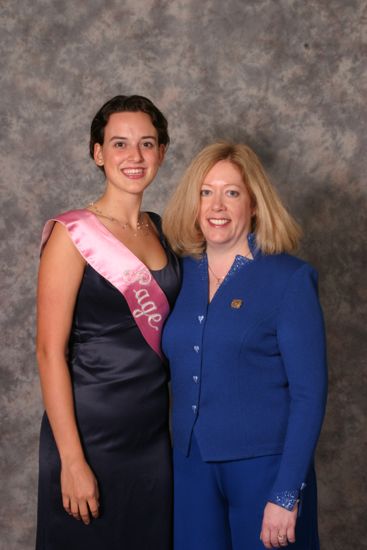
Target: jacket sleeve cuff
{"x": 287, "y": 499}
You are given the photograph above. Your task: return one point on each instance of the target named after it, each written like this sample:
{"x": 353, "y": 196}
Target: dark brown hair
{"x": 132, "y": 104}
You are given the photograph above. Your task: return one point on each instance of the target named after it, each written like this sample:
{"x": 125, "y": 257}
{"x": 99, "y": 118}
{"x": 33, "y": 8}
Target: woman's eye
{"x": 232, "y": 193}
{"x": 204, "y": 192}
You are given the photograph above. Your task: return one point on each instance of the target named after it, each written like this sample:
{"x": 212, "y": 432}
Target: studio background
{"x": 287, "y": 77}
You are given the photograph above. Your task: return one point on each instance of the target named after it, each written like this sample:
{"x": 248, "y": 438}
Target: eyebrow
{"x": 226, "y": 184}
{"x": 125, "y": 138}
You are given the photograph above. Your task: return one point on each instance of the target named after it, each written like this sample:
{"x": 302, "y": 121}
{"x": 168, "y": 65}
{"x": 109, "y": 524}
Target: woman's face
{"x": 130, "y": 154}
{"x": 225, "y": 208}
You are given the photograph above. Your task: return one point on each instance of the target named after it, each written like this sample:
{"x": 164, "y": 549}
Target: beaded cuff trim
{"x": 286, "y": 499}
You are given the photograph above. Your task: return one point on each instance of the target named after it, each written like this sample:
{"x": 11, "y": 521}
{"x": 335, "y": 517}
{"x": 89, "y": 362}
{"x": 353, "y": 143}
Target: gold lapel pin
{"x": 236, "y": 303}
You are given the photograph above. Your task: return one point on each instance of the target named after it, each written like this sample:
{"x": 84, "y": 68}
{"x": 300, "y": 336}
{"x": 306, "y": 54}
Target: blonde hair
{"x": 275, "y": 229}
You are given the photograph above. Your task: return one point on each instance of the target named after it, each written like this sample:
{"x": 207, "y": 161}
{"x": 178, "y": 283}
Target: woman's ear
{"x": 162, "y": 153}
{"x": 98, "y": 154}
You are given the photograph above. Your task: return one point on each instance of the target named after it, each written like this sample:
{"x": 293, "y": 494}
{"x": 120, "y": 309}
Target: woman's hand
{"x": 79, "y": 488}
{"x": 278, "y": 527}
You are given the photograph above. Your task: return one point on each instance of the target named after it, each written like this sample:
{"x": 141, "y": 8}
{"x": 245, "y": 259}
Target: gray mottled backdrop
{"x": 287, "y": 77}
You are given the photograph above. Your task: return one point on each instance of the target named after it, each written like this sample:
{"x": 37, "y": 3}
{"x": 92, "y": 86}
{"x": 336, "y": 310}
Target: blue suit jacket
{"x": 251, "y": 379}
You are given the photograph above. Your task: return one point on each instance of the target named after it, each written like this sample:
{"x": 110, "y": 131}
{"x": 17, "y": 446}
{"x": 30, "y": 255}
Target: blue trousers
{"x": 220, "y": 505}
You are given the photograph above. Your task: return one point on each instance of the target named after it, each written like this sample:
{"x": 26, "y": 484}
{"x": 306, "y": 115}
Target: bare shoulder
{"x": 61, "y": 262}
{"x": 60, "y": 247}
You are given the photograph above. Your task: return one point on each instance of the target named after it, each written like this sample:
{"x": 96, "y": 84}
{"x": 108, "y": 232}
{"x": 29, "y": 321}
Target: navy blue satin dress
{"x": 121, "y": 405}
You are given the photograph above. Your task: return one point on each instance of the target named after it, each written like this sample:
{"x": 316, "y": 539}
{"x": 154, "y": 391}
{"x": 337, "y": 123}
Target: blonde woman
{"x": 245, "y": 342}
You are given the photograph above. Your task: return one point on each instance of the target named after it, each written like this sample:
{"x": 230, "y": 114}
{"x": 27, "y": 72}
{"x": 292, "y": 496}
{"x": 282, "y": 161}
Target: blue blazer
{"x": 249, "y": 368}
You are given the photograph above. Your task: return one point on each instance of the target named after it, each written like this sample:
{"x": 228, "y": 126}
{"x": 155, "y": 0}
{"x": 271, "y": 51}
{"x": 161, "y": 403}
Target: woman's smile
{"x": 219, "y": 222}
{"x": 133, "y": 173}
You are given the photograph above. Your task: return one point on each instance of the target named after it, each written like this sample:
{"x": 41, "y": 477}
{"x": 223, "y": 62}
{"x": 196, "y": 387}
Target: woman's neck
{"x": 124, "y": 207}
{"x": 225, "y": 255}
{"x": 220, "y": 259}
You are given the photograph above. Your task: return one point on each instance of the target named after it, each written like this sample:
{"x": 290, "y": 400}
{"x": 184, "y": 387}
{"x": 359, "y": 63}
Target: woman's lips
{"x": 218, "y": 222}
{"x": 133, "y": 173}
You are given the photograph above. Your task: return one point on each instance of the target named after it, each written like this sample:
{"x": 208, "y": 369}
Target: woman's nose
{"x": 135, "y": 153}
{"x": 217, "y": 203}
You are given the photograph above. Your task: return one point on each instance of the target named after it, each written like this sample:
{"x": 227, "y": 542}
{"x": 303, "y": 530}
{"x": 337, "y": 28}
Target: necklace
{"x": 219, "y": 280}
{"x": 140, "y": 226}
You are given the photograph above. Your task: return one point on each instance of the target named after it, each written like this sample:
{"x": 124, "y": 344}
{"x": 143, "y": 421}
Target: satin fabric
{"x": 121, "y": 405}
{"x": 116, "y": 263}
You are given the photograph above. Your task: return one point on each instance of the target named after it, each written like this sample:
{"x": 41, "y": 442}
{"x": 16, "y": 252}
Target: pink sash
{"x": 116, "y": 263}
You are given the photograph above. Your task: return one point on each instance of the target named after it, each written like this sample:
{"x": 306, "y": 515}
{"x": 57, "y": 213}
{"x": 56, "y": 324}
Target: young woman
{"x": 106, "y": 283}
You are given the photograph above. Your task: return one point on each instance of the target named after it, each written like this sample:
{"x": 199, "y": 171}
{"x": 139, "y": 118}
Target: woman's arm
{"x": 60, "y": 274}
{"x": 301, "y": 339}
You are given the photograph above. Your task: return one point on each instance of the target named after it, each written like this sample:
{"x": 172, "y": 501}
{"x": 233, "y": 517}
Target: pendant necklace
{"x": 141, "y": 226}
{"x": 219, "y": 280}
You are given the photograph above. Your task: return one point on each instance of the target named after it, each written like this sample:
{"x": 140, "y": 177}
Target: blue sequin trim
{"x": 251, "y": 239}
{"x": 238, "y": 263}
{"x": 286, "y": 499}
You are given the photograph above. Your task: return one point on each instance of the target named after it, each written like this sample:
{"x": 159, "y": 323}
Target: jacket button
{"x": 195, "y": 379}
{"x": 200, "y": 318}
{"x": 194, "y": 408}
{"x": 197, "y": 349}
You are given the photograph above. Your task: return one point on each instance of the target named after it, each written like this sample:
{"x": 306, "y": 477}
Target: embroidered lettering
{"x": 140, "y": 275}
{"x": 147, "y": 308}
{"x": 141, "y": 294}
